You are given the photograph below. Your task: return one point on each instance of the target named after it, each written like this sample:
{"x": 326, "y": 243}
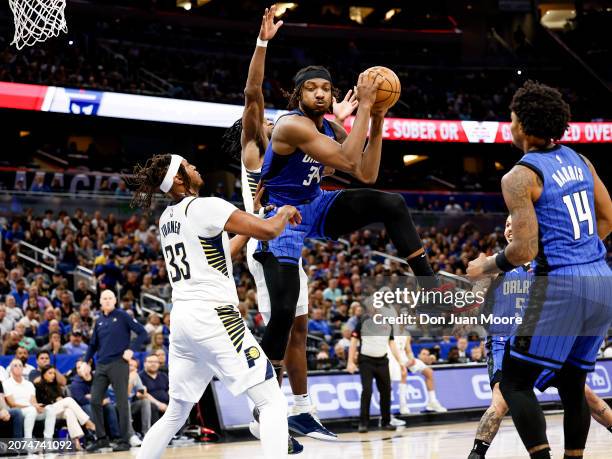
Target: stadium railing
{"x": 36, "y": 256}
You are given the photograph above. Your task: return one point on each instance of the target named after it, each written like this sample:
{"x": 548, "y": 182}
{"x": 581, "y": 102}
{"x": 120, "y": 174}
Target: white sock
{"x": 432, "y": 396}
{"x": 273, "y": 429}
{"x": 403, "y": 390}
{"x": 301, "y": 403}
{"x": 160, "y": 434}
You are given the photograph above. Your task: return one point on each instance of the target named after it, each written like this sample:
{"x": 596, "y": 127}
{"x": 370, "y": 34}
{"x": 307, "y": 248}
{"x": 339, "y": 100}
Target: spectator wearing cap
{"x": 75, "y": 345}
{"x": 103, "y": 257}
{"x": 108, "y": 274}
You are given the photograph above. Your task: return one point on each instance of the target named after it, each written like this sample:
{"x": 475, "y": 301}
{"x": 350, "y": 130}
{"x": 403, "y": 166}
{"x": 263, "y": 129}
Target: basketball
{"x": 390, "y": 89}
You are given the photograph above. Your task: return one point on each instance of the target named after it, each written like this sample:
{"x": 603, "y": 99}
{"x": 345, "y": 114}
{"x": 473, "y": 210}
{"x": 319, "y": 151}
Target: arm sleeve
{"x": 208, "y": 216}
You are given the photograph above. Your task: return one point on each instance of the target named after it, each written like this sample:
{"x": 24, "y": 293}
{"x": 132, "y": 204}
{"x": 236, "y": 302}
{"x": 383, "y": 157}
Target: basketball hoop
{"x": 37, "y": 20}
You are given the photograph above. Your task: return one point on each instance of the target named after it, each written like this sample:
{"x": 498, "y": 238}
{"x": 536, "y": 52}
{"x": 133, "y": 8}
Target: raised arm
{"x": 300, "y": 132}
{"x": 603, "y": 204}
{"x": 371, "y": 156}
{"x": 253, "y": 114}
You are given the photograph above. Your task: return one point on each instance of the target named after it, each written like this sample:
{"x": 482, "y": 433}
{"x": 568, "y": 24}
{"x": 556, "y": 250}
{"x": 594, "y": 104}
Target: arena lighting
{"x": 359, "y": 13}
{"x": 409, "y": 160}
{"x": 281, "y": 8}
{"x": 185, "y": 4}
{"x": 498, "y": 166}
{"x": 389, "y": 14}
{"x": 557, "y": 19}
{"x": 519, "y": 72}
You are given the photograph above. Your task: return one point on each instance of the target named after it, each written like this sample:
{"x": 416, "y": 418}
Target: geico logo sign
{"x": 599, "y": 380}
{"x": 481, "y": 387}
{"x": 346, "y": 395}
{"x": 416, "y": 393}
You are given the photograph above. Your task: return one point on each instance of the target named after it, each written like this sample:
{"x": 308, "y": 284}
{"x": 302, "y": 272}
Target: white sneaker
{"x": 435, "y": 406}
{"x": 404, "y": 410}
{"x": 397, "y": 422}
{"x": 254, "y": 429}
{"x": 135, "y": 441}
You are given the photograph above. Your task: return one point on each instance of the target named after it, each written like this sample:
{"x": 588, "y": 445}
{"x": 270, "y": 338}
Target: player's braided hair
{"x": 541, "y": 110}
{"x": 294, "y": 97}
{"x": 146, "y": 180}
{"x": 231, "y": 141}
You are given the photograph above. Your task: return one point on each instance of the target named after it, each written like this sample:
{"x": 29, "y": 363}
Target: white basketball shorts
{"x": 207, "y": 342}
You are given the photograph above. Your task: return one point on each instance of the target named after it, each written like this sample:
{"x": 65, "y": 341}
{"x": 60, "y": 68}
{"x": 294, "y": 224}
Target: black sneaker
{"x": 121, "y": 445}
{"x": 97, "y": 445}
{"x": 363, "y": 428}
{"x": 475, "y": 455}
{"x": 389, "y": 427}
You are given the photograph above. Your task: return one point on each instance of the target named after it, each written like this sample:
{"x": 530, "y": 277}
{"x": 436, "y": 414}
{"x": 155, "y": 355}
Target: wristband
{"x": 262, "y": 43}
{"x": 502, "y": 262}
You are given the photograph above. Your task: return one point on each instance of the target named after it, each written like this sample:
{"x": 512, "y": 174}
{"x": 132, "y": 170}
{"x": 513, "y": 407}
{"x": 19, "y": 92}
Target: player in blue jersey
{"x": 507, "y": 293}
{"x": 560, "y": 211}
{"x": 248, "y": 139}
{"x": 303, "y": 143}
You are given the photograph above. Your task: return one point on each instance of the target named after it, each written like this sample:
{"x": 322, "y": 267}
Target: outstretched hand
{"x": 268, "y": 27}
{"x": 346, "y": 107}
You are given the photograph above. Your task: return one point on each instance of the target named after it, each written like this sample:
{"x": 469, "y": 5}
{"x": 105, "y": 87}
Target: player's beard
{"x": 314, "y": 112}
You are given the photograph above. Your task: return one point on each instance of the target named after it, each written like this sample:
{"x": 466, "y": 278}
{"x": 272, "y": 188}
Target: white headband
{"x": 173, "y": 168}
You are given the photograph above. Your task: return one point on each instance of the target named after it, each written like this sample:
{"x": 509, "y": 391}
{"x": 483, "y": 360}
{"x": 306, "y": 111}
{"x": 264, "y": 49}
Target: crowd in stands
{"x": 46, "y": 314}
{"x": 176, "y": 62}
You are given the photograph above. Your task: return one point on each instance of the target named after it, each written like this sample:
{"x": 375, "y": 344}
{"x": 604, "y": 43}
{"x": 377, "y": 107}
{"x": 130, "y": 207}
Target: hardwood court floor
{"x": 449, "y": 441}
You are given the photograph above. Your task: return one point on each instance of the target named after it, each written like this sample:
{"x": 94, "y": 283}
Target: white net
{"x": 37, "y": 20}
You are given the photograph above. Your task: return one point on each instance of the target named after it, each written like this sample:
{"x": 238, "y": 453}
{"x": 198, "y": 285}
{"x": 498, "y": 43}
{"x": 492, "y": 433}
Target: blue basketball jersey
{"x": 295, "y": 178}
{"x": 565, "y": 210}
{"x": 507, "y": 296}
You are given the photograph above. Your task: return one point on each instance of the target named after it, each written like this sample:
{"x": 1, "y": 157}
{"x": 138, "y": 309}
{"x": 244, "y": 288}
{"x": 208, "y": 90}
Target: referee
{"x": 374, "y": 340}
{"x": 111, "y": 342}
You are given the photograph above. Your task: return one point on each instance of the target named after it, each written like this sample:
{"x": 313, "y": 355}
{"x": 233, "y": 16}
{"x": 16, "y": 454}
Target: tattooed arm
{"x": 521, "y": 187}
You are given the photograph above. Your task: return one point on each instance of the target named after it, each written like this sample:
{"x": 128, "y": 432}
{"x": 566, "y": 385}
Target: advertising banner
{"x": 337, "y": 395}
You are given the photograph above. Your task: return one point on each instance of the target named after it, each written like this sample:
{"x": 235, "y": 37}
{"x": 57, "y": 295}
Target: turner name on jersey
{"x": 197, "y": 252}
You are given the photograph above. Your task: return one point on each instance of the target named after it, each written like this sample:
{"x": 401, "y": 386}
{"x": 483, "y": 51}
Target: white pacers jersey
{"x": 197, "y": 251}
{"x": 250, "y": 180}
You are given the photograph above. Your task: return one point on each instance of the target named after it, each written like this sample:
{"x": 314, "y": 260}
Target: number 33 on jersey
{"x": 196, "y": 250}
